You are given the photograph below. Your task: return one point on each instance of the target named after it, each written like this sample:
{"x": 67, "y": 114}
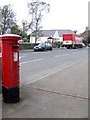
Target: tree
{"x": 0, "y": 19}
{"x": 25, "y": 25}
{"x": 15, "y": 29}
{"x": 8, "y": 18}
{"x": 20, "y": 31}
{"x": 36, "y": 10}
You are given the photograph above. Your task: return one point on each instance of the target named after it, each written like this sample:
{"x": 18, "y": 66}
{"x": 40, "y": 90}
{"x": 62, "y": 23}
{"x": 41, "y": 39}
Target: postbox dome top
{"x": 11, "y": 37}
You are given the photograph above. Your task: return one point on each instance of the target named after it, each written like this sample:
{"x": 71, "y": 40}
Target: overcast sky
{"x": 64, "y": 14}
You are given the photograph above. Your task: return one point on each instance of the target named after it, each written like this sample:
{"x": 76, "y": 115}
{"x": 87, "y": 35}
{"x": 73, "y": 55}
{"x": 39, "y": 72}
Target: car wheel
{"x": 50, "y": 49}
{"x": 35, "y": 50}
{"x": 43, "y": 49}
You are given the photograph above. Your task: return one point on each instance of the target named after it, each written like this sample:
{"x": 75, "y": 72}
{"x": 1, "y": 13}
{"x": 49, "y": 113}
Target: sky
{"x": 64, "y": 14}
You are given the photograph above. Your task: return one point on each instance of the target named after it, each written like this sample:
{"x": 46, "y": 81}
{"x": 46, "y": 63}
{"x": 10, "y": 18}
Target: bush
{"x": 25, "y": 40}
{"x": 61, "y": 43}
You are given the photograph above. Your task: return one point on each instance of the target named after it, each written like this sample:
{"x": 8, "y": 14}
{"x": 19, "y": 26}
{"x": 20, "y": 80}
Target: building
{"x": 86, "y": 36}
{"x": 86, "y": 33}
{"x": 50, "y": 35}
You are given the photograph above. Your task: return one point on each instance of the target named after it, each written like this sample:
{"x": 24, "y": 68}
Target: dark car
{"x": 43, "y": 46}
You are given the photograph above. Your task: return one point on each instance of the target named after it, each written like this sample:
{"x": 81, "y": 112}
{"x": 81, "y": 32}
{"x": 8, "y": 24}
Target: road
{"x": 37, "y": 65}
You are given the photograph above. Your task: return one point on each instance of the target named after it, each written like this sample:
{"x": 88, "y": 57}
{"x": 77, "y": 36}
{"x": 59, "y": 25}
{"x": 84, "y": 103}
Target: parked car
{"x": 43, "y": 47}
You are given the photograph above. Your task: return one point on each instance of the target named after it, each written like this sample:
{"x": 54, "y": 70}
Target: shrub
{"x": 25, "y": 40}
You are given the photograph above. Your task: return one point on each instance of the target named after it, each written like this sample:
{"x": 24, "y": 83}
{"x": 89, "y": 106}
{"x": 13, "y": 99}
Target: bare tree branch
{"x": 36, "y": 10}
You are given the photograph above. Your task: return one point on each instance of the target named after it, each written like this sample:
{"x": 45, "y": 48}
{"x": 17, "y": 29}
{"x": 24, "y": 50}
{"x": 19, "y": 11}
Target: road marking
{"x": 75, "y": 53}
{"x": 70, "y": 53}
{"x": 61, "y": 55}
{"x": 0, "y": 54}
{"x": 31, "y": 61}
{"x": 64, "y": 67}
{"x": 19, "y": 58}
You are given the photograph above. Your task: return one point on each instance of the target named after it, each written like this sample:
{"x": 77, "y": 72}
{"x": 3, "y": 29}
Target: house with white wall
{"x": 56, "y": 35}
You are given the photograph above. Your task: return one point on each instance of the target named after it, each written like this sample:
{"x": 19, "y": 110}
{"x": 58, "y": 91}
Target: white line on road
{"x": 61, "y": 55}
{"x": 74, "y": 53}
{"x": 19, "y": 57}
{"x": 0, "y": 54}
{"x": 69, "y": 54}
{"x": 51, "y": 73}
{"x": 31, "y": 61}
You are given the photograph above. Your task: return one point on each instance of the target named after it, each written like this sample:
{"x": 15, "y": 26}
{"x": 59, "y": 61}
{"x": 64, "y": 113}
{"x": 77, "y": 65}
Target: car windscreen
{"x": 41, "y": 44}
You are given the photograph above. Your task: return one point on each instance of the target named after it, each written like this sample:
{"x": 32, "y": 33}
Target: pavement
{"x": 63, "y": 94}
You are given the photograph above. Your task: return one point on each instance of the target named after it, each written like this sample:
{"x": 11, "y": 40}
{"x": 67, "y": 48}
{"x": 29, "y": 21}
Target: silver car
{"x": 43, "y": 47}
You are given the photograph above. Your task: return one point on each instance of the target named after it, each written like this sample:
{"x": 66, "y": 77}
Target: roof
{"x": 50, "y": 33}
{"x": 61, "y": 32}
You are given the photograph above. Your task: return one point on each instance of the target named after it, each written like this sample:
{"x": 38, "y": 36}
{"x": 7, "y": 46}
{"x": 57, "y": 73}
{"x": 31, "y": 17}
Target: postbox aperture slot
{"x": 15, "y": 46}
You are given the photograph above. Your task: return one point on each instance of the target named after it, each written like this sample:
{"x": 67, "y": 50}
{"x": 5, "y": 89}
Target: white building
{"x": 56, "y": 35}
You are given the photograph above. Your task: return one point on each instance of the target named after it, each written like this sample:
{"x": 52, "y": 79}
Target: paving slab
{"x": 41, "y": 104}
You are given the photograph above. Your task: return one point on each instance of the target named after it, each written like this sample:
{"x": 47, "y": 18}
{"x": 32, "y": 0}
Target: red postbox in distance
{"x": 10, "y": 68}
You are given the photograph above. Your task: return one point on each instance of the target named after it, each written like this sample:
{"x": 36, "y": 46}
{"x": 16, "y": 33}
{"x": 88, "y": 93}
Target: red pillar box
{"x": 10, "y": 68}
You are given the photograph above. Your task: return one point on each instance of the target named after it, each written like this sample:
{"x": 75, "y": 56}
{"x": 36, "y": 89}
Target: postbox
{"x": 10, "y": 68}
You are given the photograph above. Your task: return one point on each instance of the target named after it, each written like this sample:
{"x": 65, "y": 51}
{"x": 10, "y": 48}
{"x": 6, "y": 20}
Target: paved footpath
{"x": 61, "y": 95}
